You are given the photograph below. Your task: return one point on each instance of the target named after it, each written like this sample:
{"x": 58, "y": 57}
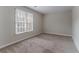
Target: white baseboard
{"x": 63, "y": 34}
{"x": 60, "y": 34}
{"x": 3, "y": 46}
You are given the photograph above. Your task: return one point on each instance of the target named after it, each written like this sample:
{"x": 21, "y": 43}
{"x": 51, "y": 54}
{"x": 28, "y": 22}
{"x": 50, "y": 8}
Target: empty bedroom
{"x": 39, "y": 29}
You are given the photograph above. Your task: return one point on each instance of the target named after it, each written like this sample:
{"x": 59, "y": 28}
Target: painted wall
{"x": 58, "y": 23}
{"x": 7, "y": 25}
{"x": 75, "y": 25}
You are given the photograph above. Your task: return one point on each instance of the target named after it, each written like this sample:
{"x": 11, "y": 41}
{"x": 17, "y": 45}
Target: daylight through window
{"x": 24, "y": 21}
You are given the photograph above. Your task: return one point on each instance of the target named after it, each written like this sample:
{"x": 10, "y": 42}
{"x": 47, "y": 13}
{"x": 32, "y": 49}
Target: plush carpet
{"x": 43, "y": 43}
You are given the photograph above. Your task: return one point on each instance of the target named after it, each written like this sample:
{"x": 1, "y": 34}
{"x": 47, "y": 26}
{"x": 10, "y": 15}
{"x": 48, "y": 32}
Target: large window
{"x": 24, "y": 21}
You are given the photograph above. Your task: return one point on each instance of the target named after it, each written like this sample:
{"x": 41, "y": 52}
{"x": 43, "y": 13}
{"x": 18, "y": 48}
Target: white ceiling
{"x": 51, "y": 9}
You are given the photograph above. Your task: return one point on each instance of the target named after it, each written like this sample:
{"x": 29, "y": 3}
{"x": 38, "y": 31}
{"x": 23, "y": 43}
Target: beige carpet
{"x": 43, "y": 43}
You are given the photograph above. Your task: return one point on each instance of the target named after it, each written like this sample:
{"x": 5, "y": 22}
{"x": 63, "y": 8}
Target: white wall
{"x": 75, "y": 25}
{"x": 58, "y": 23}
{"x": 7, "y": 25}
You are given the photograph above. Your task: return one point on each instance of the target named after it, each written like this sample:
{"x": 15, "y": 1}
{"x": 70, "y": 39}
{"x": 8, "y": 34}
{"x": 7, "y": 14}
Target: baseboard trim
{"x": 60, "y": 34}
{"x": 14, "y": 42}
